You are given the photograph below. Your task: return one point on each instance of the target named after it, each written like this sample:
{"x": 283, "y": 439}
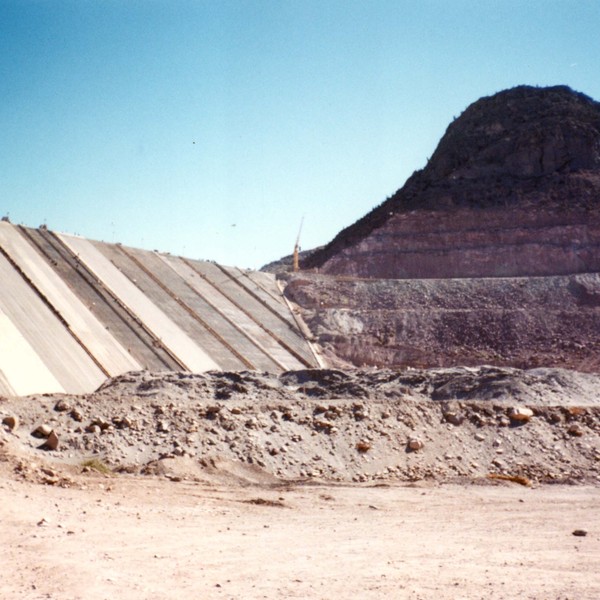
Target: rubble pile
{"x": 359, "y": 426}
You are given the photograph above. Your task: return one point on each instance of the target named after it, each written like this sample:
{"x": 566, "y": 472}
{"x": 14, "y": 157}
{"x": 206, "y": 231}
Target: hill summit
{"x": 513, "y": 189}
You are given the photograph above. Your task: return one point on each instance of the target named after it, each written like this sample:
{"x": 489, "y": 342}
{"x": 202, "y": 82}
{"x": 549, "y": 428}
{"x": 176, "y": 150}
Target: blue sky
{"x": 211, "y": 128}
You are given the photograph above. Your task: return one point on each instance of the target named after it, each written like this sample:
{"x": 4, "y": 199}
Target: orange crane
{"x": 296, "y": 263}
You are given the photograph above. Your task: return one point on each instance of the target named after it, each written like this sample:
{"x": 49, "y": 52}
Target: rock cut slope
{"x": 513, "y": 189}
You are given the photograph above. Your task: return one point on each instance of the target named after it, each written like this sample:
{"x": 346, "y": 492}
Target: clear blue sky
{"x": 209, "y": 128}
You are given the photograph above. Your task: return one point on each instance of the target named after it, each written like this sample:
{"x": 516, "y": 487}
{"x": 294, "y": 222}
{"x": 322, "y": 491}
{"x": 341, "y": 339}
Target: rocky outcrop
{"x": 513, "y": 189}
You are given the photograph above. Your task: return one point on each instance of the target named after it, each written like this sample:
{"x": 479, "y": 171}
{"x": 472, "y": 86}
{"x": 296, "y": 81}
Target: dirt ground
{"x": 305, "y": 485}
{"x": 132, "y": 537}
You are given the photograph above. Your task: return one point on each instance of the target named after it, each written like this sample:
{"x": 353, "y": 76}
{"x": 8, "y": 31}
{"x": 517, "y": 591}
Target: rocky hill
{"x": 513, "y": 189}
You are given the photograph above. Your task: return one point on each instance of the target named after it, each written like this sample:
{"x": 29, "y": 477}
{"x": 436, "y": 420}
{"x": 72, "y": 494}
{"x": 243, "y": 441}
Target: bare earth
{"x": 134, "y": 537}
{"x": 243, "y": 486}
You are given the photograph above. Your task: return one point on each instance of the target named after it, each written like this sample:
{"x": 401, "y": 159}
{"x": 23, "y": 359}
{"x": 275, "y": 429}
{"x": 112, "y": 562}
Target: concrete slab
{"x": 5, "y": 387}
{"x": 171, "y": 294}
{"x": 23, "y": 371}
{"x": 265, "y": 351}
{"x": 265, "y": 287}
{"x": 51, "y": 341}
{"x": 190, "y": 355}
{"x": 259, "y": 309}
{"x": 115, "y": 318}
{"x": 105, "y": 349}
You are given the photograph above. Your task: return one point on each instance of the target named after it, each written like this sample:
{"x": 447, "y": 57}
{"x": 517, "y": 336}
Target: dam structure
{"x": 74, "y": 312}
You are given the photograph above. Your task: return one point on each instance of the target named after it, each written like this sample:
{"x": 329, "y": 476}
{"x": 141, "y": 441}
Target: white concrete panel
{"x": 170, "y": 334}
{"x": 51, "y": 341}
{"x": 5, "y": 389}
{"x": 230, "y": 311}
{"x": 275, "y": 302}
{"x": 94, "y": 336}
{"x": 22, "y": 368}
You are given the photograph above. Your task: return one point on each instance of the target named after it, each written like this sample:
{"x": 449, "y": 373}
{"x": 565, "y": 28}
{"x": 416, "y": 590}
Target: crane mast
{"x": 296, "y": 259}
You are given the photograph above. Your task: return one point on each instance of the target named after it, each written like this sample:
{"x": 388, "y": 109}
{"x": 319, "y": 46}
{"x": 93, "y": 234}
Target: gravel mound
{"x": 321, "y": 424}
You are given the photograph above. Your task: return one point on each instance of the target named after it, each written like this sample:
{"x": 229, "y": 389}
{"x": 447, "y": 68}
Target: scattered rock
{"x": 287, "y": 433}
{"x": 454, "y": 418}
{"x": 52, "y": 441}
{"x": 42, "y": 431}
{"x": 76, "y": 415}
{"x": 11, "y": 422}
{"x": 580, "y": 532}
{"x": 415, "y": 444}
{"x": 163, "y": 427}
{"x": 575, "y": 430}
{"x": 520, "y": 414}
{"x": 62, "y": 406}
{"x": 363, "y": 446}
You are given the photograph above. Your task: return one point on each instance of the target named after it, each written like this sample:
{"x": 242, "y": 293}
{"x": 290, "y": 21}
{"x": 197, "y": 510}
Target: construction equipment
{"x": 296, "y": 260}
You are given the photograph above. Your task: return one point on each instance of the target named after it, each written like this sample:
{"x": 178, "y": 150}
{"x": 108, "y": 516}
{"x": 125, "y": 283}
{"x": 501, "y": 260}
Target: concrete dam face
{"x": 74, "y": 312}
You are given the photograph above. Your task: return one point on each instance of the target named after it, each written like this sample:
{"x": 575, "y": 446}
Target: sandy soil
{"x": 141, "y": 538}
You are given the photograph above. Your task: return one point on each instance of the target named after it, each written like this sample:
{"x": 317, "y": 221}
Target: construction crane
{"x": 296, "y": 263}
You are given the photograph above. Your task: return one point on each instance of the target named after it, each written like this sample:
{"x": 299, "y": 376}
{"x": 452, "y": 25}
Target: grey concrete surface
{"x": 74, "y": 312}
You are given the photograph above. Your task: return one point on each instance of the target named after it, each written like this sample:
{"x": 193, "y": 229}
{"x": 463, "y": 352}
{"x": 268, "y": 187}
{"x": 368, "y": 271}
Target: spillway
{"x": 74, "y": 312}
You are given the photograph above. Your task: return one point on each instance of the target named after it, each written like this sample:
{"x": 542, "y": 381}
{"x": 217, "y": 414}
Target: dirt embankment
{"x": 539, "y": 425}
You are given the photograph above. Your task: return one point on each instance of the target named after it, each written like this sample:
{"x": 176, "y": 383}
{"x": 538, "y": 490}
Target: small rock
{"x": 11, "y": 422}
{"x": 101, "y": 424}
{"x": 555, "y": 417}
{"x": 363, "y": 446}
{"x": 415, "y": 444}
{"x": 580, "y": 532}
{"x": 479, "y": 437}
{"x": 76, "y": 415}
{"x": 42, "y": 431}
{"x": 453, "y": 417}
{"x": 575, "y": 429}
{"x": 62, "y": 406}
{"x": 212, "y": 411}
{"x": 52, "y": 441}
{"x": 520, "y": 413}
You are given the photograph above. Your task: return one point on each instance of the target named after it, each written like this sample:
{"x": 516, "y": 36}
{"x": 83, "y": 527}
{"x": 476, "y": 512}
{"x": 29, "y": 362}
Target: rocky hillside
{"x": 513, "y": 189}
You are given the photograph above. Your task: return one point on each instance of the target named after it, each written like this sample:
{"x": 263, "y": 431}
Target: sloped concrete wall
{"x": 74, "y": 312}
